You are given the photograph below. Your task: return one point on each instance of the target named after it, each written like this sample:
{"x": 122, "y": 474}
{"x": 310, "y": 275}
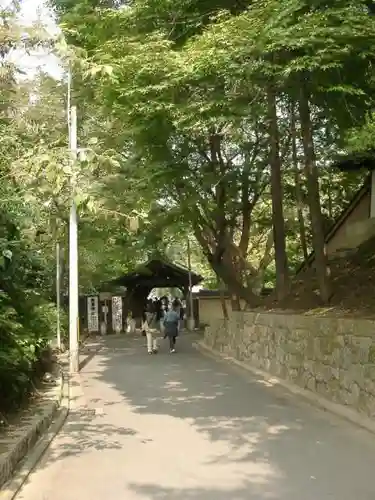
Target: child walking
{"x": 171, "y": 322}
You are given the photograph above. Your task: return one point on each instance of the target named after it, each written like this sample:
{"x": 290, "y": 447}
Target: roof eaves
{"x": 357, "y": 198}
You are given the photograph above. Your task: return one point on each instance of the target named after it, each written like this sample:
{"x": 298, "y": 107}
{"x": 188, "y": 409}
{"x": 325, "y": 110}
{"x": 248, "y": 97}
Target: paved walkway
{"x": 184, "y": 427}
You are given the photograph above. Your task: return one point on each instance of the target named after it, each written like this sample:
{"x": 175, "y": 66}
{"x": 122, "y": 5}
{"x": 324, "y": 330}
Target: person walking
{"x": 149, "y": 327}
{"x": 171, "y": 321}
{"x": 179, "y": 310}
{"x": 160, "y": 313}
{"x": 182, "y": 316}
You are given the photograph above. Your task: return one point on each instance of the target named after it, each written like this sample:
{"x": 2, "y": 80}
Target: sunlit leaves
{"x": 174, "y": 74}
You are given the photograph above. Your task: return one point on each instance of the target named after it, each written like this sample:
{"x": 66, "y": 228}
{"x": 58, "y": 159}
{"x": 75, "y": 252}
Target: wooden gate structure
{"x": 127, "y": 294}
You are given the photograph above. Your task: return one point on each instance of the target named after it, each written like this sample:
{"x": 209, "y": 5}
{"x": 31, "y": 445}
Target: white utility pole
{"x": 58, "y": 295}
{"x": 190, "y": 320}
{"x": 73, "y": 254}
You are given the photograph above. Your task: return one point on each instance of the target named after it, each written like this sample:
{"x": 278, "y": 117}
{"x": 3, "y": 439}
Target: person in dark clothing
{"x": 171, "y": 321}
{"x": 182, "y": 316}
{"x": 144, "y": 320}
{"x": 158, "y": 309}
{"x": 177, "y": 305}
{"x": 160, "y": 312}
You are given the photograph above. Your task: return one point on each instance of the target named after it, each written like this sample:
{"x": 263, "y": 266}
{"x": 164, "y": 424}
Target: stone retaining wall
{"x": 331, "y": 356}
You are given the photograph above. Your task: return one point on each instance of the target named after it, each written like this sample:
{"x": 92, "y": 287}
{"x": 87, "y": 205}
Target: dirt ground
{"x": 353, "y": 284}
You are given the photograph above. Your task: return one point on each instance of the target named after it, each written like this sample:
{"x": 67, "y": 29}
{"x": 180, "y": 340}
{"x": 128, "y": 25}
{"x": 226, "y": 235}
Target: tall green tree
{"x": 202, "y": 126}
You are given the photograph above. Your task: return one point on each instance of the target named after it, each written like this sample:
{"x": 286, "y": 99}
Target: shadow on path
{"x": 184, "y": 427}
{"x": 278, "y": 446}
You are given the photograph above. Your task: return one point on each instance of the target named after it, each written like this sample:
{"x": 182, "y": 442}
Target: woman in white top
{"x": 149, "y": 327}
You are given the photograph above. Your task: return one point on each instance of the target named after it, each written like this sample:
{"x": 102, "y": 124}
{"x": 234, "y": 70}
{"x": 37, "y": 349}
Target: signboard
{"x": 117, "y": 314}
{"x": 93, "y": 314}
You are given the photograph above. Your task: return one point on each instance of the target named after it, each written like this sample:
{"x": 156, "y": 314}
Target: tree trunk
{"x": 235, "y": 303}
{"x": 330, "y": 203}
{"x": 281, "y": 259}
{"x": 297, "y": 182}
{"x": 221, "y": 263}
{"x": 258, "y": 282}
{"x": 312, "y": 177}
{"x": 235, "y": 287}
{"x": 223, "y": 301}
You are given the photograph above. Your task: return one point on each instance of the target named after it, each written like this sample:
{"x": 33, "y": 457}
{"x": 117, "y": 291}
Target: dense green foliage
{"x": 230, "y": 114}
{"x": 211, "y": 120}
{"x": 27, "y": 312}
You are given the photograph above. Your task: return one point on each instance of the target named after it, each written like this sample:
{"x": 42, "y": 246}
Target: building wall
{"x": 330, "y": 356}
{"x": 210, "y": 308}
{"x": 350, "y": 234}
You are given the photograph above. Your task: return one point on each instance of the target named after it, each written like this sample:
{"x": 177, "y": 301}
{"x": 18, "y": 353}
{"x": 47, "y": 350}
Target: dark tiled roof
{"x": 158, "y": 273}
{"x": 211, "y": 293}
{"x": 356, "y": 161}
{"x": 218, "y": 293}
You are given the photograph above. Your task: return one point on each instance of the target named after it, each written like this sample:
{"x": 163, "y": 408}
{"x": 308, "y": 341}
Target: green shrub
{"x": 24, "y": 339}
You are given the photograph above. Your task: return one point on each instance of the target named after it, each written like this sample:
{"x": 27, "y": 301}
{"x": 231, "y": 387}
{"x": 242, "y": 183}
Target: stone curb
{"x": 339, "y": 410}
{"x": 32, "y": 446}
{"x": 13, "y": 459}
